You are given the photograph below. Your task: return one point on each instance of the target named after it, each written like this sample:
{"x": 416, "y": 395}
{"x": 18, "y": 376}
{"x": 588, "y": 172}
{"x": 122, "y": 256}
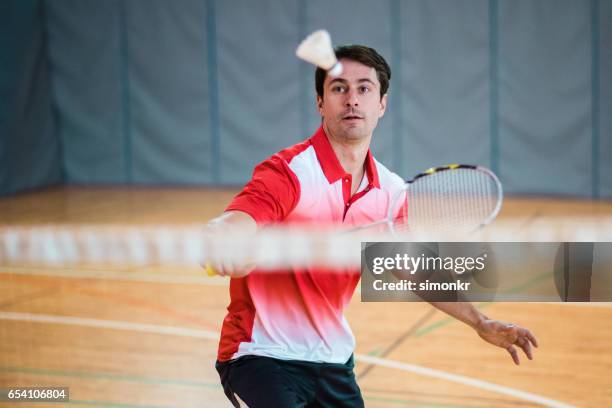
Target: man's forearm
{"x": 463, "y": 311}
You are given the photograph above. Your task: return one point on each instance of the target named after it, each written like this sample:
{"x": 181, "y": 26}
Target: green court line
{"x": 91, "y": 403}
{"x": 104, "y": 376}
{"x": 376, "y": 351}
{"x": 444, "y": 322}
{"x": 530, "y": 283}
{"x": 396, "y": 401}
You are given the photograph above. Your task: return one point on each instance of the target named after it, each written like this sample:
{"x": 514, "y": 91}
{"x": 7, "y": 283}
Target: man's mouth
{"x": 352, "y": 117}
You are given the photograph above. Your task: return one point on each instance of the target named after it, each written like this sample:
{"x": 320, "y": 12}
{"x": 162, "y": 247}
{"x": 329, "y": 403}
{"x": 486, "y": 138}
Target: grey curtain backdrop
{"x": 30, "y": 154}
{"x": 196, "y": 92}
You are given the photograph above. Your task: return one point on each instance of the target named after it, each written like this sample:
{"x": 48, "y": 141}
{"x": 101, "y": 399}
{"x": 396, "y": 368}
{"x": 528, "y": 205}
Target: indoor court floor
{"x": 136, "y": 337}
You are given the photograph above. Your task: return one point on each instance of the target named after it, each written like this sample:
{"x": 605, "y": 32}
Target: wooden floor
{"x": 147, "y": 336}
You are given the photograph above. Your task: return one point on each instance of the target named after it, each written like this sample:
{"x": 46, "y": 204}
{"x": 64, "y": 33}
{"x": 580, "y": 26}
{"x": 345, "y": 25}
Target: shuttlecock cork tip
{"x": 336, "y": 70}
{"x": 317, "y": 49}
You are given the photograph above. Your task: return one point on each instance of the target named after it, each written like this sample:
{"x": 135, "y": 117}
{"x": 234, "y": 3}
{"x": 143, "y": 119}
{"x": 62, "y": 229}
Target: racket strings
{"x": 447, "y": 201}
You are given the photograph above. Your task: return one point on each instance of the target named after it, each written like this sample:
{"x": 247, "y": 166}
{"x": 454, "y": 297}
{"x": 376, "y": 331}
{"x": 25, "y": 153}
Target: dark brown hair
{"x": 364, "y": 55}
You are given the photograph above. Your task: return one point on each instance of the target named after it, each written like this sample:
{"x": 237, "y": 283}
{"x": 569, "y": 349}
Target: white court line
{"x": 190, "y": 280}
{"x": 116, "y": 275}
{"x": 460, "y": 379}
{"x": 111, "y": 324}
{"x": 209, "y": 335}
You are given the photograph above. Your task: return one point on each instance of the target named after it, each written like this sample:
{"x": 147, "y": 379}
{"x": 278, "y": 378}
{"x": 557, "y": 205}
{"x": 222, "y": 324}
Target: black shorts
{"x": 264, "y": 382}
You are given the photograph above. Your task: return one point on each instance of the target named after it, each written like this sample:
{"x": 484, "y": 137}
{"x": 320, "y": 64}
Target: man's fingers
{"x": 515, "y": 333}
{"x": 514, "y": 354}
{"x": 510, "y": 337}
{"x": 531, "y": 338}
{"x": 226, "y": 268}
{"x": 525, "y": 333}
{"x": 524, "y": 343}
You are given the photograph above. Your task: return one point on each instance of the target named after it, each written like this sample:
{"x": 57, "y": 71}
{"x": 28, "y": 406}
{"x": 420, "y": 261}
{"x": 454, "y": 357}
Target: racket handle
{"x": 210, "y": 271}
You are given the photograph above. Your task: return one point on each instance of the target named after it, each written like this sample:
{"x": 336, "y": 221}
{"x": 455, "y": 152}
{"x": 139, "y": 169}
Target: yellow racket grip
{"x": 210, "y": 271}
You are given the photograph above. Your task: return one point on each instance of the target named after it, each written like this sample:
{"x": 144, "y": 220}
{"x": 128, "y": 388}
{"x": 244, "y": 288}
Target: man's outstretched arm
{"x": 231, "y": 221}
{"x": 505, "y": 335}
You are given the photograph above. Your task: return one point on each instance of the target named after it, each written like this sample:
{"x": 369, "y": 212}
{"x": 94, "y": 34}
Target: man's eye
{"x": 338, "y": 89}
{"x": 364, "y": 89}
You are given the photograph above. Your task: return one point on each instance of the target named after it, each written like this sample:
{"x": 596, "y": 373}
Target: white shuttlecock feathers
{"x": 317, "y": 49}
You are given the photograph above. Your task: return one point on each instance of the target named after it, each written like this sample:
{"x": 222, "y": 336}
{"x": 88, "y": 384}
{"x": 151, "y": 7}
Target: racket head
{"x": 455, "y": 199}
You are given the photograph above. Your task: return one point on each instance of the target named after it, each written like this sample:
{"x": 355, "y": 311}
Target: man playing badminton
{"x": 285, "y": 341}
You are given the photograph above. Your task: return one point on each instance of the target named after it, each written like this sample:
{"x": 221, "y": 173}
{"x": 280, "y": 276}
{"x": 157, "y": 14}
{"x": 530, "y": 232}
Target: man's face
{"x": 351, "y": 103}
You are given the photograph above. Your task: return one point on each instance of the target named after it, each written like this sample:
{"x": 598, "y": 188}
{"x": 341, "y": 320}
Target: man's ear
{"x": 383, "y": 105}
{"x": 320, "y": 105}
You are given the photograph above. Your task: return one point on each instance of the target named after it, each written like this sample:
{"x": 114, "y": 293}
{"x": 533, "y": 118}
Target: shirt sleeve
{"x": 271, "y": 194}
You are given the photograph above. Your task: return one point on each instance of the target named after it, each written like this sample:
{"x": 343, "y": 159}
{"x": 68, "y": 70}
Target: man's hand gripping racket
{"x": 231, "y": 222}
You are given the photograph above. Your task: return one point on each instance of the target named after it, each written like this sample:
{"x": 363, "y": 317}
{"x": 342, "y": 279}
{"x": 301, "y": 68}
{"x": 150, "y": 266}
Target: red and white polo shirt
{"x": 298, "y": 314}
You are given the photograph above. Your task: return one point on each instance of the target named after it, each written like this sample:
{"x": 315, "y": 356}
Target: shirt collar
{"x": 331, "y": 165}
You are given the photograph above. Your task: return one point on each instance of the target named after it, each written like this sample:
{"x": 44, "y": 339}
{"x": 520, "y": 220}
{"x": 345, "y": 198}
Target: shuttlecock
{"x": 317, "y": 49}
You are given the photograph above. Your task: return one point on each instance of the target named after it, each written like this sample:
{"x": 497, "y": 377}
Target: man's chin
{"x": 355, "y": 133}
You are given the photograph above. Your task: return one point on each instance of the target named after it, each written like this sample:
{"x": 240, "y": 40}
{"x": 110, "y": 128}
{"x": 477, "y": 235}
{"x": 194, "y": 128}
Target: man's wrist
{"x": 478, "y": 320}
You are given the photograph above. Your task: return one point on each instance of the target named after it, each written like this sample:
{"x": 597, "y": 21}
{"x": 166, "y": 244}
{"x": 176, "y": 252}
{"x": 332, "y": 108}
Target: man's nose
{"x": 352, "y": 98}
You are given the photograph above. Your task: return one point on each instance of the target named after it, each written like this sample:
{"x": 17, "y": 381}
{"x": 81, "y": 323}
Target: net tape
{"x": 277, "y": 247}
